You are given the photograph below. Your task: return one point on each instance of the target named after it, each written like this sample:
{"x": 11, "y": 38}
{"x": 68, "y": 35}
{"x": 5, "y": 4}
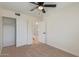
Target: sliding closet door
{"x": 9, "y": 32}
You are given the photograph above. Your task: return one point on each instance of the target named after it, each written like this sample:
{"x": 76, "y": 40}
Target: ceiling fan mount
{"x": 41, "y": 5}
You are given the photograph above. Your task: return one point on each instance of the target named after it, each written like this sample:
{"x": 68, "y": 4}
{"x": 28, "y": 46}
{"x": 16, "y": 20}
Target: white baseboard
{"x": 63, "y": 49}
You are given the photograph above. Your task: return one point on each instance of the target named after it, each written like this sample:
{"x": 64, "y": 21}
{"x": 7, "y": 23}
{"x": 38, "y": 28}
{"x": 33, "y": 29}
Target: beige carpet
{"x": 35, "y": 50}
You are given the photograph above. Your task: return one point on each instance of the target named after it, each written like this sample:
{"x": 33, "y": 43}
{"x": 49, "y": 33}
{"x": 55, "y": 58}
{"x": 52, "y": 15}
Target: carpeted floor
{"x": 35, "y": 50}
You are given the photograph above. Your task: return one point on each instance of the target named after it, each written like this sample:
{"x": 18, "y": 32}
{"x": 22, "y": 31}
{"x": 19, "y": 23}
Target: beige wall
{"x": 63, "y": 28}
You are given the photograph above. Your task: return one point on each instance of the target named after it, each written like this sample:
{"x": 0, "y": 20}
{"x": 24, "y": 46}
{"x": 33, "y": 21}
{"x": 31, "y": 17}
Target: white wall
{"x": 63, "y": 28}
{"x": 21, "y": 26}
{"x": 21, "y": 35}
{"x": 30, "y": 32}
{"x": 0, "y": 35}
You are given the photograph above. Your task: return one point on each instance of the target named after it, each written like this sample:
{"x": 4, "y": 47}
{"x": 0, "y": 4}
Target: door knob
{"x": 44, "y": 32}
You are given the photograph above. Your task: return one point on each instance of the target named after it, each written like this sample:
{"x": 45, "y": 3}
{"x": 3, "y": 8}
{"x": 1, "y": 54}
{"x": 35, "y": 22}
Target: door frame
{"x": 3, "y": 31}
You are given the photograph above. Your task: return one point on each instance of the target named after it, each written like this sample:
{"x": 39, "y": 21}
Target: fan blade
{"x": 34, "y": 8}
{"x": 40, "y": 3}
{"x": 54, "y": 5}
{"x": 34, "y": 3}
{"x": 43, "y": 10}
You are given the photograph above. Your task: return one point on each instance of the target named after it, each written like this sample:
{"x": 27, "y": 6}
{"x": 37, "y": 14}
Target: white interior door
{"x": 8, "y": 32}
{"x": 42, "y": 32}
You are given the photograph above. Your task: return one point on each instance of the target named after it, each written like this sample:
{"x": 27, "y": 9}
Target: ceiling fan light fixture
{"x": 40, "y": 7}
{"x": 36, "y": 23}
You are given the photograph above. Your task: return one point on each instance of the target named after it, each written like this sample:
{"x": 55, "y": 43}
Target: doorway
{"x": 9, "y": 31}
{"x": 42, "y": 31}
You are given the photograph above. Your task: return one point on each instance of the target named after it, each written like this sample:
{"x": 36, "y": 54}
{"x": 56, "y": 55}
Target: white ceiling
{"x": 25, "y": 7}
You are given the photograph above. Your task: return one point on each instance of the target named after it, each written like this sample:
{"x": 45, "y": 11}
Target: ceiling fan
{"x": 41, "y": 5}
